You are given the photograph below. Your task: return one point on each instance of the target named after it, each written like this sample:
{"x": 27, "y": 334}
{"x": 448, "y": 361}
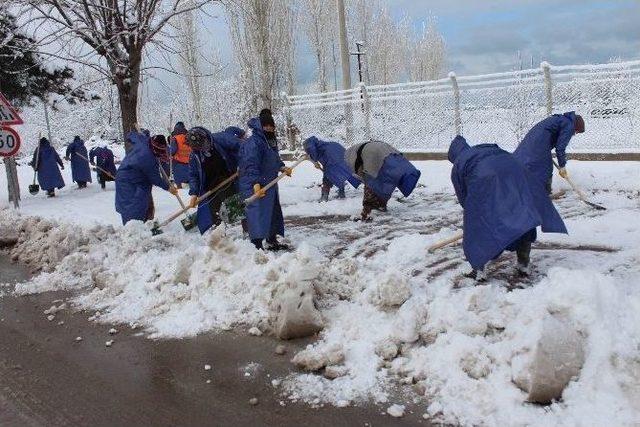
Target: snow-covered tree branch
{"x": 114, "y": 35}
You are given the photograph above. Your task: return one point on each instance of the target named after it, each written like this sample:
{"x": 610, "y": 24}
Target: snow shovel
{"x": 579, "y": 192}
{"x": 96, "y": 167}
{"x": 272, "y": 183}
{"x": 35, "y": 188}
{"x": 445, "y": 242}
{"x": 156, "y": 229}
{"x": 188, "y": 221}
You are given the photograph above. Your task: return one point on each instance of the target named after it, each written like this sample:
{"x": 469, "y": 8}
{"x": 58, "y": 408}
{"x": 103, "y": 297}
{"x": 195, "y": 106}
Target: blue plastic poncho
{"x": 104, "y": 159}
{"x": 46, "y": 161}
{"x": 80, "y": 171}
{"x": 501, "y": 200}
{"x": 137, "y": 174}
{"x": 331, "y": 156}
{"x": 383, "y": 176}
{"x": 259, "y": 163}
{"x": 534, "y": 152}
{"x": 227, "y": 146}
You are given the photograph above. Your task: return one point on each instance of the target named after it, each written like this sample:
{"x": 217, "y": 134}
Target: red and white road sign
{"x": 8, "y": 114}
{"x": 9, "y": 141}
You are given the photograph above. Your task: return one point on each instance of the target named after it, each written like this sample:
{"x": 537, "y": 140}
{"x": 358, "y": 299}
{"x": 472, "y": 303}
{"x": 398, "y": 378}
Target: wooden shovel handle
{"x": 446, "y": 242}
{"x": 97, "y": 167}
{"x": 272, "y": 183}
{"x": 200, "y": 199}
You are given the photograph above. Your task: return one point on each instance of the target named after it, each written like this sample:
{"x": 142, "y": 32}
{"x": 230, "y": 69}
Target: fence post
{"x": 548, "y": 86}
{"x": 456, "y": 103}
{"x": 366, "y": 104}
{"x": 291, "y": 139}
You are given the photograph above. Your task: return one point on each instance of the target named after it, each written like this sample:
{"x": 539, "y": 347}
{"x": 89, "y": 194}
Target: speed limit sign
{"x": 9, "y": 141}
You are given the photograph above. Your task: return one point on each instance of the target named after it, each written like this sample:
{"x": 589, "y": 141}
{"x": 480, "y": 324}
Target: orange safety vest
{"x": 184, "y": 151}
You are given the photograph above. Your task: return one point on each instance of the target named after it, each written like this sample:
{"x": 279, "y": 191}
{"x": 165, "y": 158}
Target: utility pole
{"x": 46, "y": 119}
{"x": 359, "y": 53}
{"x": 344, "y": 46}
{"x": 346, "y": 67}
{"x": 335, "y": 66}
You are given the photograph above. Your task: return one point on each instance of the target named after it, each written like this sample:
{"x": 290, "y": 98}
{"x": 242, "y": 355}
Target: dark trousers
{"x": 151, "y": 210}
{"x": 215, "y": 203}
{"x": 523, "y": 252}
{"x": 548, "y": 184}
{"x": 371, "y": 201}
{"x": 326, "y": 188}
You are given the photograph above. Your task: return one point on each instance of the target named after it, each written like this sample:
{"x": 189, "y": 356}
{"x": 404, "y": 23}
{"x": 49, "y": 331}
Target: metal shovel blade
{"x": 34, "y": 189}
{"x": 189, "y": 222}
{"x": 595, "y": 206}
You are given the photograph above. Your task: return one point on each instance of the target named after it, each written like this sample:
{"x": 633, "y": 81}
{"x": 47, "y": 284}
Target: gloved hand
{"x": 173, "y": 190}
{"x": 563, "y": 172}
{"x": 259, "y": 191}
{"x": 62, "y": 167}
{"x": 317, "y": 165}
{"x": 287, "y": 171}
{"x": 193, "y": 202}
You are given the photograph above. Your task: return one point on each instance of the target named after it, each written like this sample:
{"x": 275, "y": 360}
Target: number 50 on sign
{"x": 9, "y": 142}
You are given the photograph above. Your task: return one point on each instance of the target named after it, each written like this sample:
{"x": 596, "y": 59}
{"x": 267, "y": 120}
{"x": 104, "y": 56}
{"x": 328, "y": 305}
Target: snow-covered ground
{"x": 459, "y": 345}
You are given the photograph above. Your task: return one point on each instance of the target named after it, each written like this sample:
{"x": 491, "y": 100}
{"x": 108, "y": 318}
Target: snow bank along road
{"x": 400, "y": 325}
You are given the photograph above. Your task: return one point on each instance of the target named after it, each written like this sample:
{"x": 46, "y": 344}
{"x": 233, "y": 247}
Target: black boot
{"x": 257, "y": 243}
{"x": 51, "y": 193}
{"x": 274, "y": 245}
{"x": 341, "y": 194}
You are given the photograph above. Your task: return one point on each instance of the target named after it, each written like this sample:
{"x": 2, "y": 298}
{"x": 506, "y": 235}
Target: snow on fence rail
{"x": 498, "y": 108}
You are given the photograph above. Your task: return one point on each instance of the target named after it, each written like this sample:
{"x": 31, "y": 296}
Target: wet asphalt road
{"x": 47, "y": 378}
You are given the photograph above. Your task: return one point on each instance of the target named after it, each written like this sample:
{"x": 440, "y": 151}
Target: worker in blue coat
{"x": 328, "y": 156}
{"x": 214, "y": 158}
{"x": 554, "y": 132}
{"x": 77, "y": 154}
{"x": 382, "y": 168}
{"x": 137, "y": 174}
{"x": 104, "y": 160}
{"x": 259, "y": 164}
{"x": 503, "y": 204}
{"x": 46, "y": 161}
{"x": 180, "y": 152}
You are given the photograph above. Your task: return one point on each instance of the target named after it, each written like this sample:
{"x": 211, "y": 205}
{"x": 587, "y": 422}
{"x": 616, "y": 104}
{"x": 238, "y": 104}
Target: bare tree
{"x": 189, "y": 59}
{"x": 319, "y": 28}
{"x": 387, "y": 51}
{"x": 113, "y": 33}
{"x": 262, "y": 34}
{"x": 428, "y": 54}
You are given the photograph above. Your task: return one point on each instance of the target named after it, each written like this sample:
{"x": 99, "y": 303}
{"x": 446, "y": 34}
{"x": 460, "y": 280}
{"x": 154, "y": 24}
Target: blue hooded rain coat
{"x": 331, "y": 156}
{"x": 80, "y": 171}
{"x": 259, "y": 163}
{"x": 534, "y": 152}
{"x": 104, "y": 159}
{"x": 502, "y": 202}
{"x": 46, "y": 161}
{"x": 227, "y": 146}
{"x": 137, "y": 174}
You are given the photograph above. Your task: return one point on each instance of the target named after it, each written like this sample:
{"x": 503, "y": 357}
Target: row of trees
{"x": 395, "y": 51}
{"x": 125, "y": 43}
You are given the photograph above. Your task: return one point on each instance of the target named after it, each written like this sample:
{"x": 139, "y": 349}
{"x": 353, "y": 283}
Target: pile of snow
{"x": 41, "y": 244}
{"x": 173, "y": 286}
{"x": 391, "y": 317}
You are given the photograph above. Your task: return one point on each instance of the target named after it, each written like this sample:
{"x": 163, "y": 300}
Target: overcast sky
{"x": 485, "y": 35}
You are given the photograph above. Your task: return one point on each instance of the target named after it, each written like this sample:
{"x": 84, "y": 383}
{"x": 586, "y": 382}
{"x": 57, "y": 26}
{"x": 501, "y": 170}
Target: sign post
{"x": 9, "y": 147}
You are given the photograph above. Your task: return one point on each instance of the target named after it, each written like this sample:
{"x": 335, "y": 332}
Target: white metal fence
{"x": 493, "y": 108}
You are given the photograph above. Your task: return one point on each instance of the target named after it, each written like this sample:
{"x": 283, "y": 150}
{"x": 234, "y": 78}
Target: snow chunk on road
{"x": 396, "y": 411}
